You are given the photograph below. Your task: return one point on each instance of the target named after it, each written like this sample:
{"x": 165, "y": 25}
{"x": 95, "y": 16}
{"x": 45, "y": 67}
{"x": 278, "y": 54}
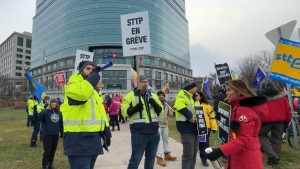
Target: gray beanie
{"x": 53, "y": 100}
{"x": 83, "y": 64}
{"x": 142, "y": 77}
{"x": 187, "y": 85}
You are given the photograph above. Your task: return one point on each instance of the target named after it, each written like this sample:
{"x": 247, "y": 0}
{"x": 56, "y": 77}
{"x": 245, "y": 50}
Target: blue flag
{"x": 206, "y": 87}
{"x": 36, "y": 88}
{"x": 259, "y": 76}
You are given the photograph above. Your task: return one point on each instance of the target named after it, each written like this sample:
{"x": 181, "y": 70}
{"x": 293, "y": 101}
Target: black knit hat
{"x": 187, "y": 85}
{"x": 160, "y": 92}
{"x": 83, "y": 64}
{"x": 53, "y": 100}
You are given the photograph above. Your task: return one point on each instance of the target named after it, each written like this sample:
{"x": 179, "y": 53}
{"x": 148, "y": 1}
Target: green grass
{"x": 290, "y": 158}
{"x": 15, "y": 152}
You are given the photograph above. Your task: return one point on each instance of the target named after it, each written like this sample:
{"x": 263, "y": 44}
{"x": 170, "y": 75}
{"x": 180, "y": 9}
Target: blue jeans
{"x": 141, "y": 143}
{"x": 82, "y": 162}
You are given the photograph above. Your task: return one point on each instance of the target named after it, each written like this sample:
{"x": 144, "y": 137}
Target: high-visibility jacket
{"x": 183, "y": 100}
{"x": 147, "y": 116}
{"x": 209, "y": 115}
{"x": 31, "y": 103}
{"x": 82, "y": 109}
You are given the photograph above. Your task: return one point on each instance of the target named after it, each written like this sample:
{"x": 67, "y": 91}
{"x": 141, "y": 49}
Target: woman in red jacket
{"x": 243, "y": 147}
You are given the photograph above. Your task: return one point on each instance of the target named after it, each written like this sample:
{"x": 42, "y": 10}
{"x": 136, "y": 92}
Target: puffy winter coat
{"x": 244, "y": 150}
{"x": 115, "y": 106}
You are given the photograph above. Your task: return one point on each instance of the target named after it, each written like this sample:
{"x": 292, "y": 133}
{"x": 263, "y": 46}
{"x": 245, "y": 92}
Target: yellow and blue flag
{"x": 259, "y": 76}
{"x": 165, "y": 90}
{"x": 36, "y": 88}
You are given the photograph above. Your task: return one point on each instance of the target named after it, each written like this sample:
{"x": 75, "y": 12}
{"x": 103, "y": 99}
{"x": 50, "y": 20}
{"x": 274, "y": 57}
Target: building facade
{"x": 15, "y": 54}
{"x": 62, "y": 27}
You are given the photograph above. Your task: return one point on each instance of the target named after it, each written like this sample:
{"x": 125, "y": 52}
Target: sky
{"x": 220, "y": 30}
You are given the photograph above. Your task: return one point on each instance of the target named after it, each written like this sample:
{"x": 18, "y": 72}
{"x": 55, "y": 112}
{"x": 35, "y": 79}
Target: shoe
{"x": 205, "y": 163}
{"x": 113, "y": 130}
{"x": 123, "y": 121}
{"x": 118, "y": 129}
{"x": 169, "y": 157}
{"x": 273, "y": 161}
{"x": 160, "y": 161}
{"x": 33, "y": 144}
{"x": 50, "y": 166}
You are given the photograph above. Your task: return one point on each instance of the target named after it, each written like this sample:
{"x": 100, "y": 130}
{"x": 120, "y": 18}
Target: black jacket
{"x": 52, "y": 122}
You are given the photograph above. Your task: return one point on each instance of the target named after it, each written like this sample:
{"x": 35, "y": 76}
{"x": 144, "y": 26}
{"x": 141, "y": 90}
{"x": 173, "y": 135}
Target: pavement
{"x": 120, "y": 152}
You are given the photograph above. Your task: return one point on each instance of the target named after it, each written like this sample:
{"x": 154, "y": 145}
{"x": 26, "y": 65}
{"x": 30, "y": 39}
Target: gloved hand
{"x": 213, "y": 131}
{"x": 218, "y": 117}
{"x": 96, "y": 69}
{"x": 152, "y": 102}
{"x": 138, "y": 108}
{"x": 35, "y": 108}
{"x": 108, "y": 141}
{"x": 286, "y": 125}
{"x": 215, "y": 154}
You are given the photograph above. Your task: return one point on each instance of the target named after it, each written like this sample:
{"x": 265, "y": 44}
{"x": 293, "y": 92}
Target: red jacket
{"x": 244, "y": 150}
{"x": 279, "y": 110}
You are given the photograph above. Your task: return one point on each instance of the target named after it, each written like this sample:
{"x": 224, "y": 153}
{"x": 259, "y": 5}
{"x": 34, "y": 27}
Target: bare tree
{"x": 246, "y": 68}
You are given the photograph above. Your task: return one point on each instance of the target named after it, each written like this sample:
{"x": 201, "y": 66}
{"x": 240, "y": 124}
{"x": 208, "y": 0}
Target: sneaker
{"x": 113, "y": 130}
{"x": 118, "y": 129}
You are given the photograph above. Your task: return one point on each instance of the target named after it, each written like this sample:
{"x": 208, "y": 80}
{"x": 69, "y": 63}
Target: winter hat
{"x": 160, "y": 92}
{"x": 187, "y": 85}
{"x": 83, "y": 64}
{"x": 46, "y": 98}
{"x": 142, "y": 77}
{"x": 53, "y": 100}
{"x": 269, "y": 91}
{"x": 240, "y": 86}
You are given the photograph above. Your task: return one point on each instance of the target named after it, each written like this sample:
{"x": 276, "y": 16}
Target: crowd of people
{"x": 84, "y": 123}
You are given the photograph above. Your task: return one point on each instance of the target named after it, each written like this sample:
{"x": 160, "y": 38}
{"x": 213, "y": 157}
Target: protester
{"x": 84, "y": 117}
{"x": 243, "y": 147}
{"x": 211, "y": 125}
{"x": 34, "y": 108}
{"x": 274, "y": 123}
{"x": 114, "y": 111}
{"x": 164, "y": 131}
{"x": 51, "y": 119}
{"x": 46, "y": 101}
{"x": 185, "y": 106}
{"x": 142, "y": 108}
{"x": 29, "y": 113}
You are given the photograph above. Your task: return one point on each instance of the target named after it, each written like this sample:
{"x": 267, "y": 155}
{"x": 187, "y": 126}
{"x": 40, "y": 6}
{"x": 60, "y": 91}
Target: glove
{"x": 213, "y": 131}
{"x": 215, "y": 154}
{"x": 138, "y": 108}
{"x": 35, "y": 108}
{"x": 108, "y": 141}
{"x": 152, "y": 102}
{"x": 96, "y": 69}
{"x": 286, "y": 125}
{"x": 218, "y": 117}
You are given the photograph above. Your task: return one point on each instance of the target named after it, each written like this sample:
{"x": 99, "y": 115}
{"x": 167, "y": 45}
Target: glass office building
{"x": 60, "y": 27}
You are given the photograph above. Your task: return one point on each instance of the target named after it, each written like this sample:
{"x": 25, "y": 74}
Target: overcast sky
{"x": 220, "y": 30}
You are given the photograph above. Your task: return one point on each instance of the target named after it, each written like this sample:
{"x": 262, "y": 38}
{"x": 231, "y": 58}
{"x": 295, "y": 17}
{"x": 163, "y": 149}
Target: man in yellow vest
{"x": 185, "y": 106}
{"x": 34, "y": 108}
{"x": 143, "y": 109}
{"x": 86, "y": 128}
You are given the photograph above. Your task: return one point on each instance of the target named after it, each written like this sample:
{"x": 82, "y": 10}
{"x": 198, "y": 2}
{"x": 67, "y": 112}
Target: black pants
{"x": 203, "y": 146}
{"x": 113, "y": 120}
{"x": 121, "y": 117}
{"x": 36, "y": 129}
{"x": 49, "y": 143}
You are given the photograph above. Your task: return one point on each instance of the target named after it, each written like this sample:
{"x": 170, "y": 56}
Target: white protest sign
{"x": 135, "y": 34}
{"x": 82, "y": 56}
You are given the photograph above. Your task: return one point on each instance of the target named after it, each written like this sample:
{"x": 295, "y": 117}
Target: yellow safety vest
{"x": 184, "y": 99}
{"x": 132, "y": 99}
{"x": 90, "y": 116}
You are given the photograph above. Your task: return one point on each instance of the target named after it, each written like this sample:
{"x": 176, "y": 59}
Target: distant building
{"x": 15, "y": 53}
